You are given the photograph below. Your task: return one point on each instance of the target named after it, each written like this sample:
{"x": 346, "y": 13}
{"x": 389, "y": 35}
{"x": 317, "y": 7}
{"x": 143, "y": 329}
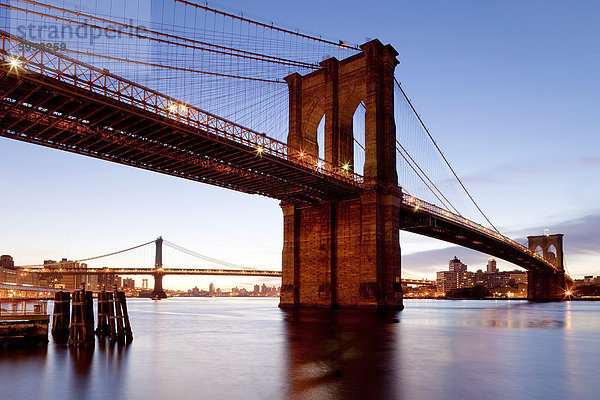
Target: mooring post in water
{"x": 125, "y": 313}
{"x": 118, "y": 318}
{"x": 103, "y": 314}
{"x": 82, "y": 318}
{"x": 110, "y": 304}
{"x": 60, "y": 316}
{"x": 89, "y": 316}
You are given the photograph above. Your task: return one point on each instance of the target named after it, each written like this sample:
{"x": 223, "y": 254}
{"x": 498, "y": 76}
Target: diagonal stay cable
{"x": 444, "y": 157}
{"x": 426, "y": 177}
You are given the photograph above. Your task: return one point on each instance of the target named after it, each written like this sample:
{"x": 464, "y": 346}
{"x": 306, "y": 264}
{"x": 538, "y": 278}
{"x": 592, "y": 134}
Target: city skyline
{"x": 466, "y": 74}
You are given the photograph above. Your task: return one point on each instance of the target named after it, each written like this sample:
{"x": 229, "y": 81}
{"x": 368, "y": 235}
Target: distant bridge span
{"x": 154, "y": 271}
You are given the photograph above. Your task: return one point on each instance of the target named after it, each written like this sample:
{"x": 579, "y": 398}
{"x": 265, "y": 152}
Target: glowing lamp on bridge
{"x": 260, "y": 150}
{"x": 14, "y": 62}
{"x": 320, "y": 164}
{"x": 173, "y": 108}
{"x": 346, "y": 167}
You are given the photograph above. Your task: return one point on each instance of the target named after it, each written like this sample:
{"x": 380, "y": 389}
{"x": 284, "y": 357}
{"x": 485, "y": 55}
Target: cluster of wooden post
{"x": 81, "y": 331}
{"x": 113, "y": 318}
{"x": 61, "y": 315}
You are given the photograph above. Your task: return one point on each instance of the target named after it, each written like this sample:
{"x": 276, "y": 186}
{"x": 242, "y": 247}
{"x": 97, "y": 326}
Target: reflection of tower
{"x": 349, "y": 354}
{"x": 144, "y": 283}
{"x": 211, "y": 288}
{"x": 491, "y": 265}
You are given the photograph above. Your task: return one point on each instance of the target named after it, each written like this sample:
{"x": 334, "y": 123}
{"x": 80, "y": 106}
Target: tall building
{"x": 211, "y": 288}
{"x": 456, "y": 265}
{"x": 491, "y": 265}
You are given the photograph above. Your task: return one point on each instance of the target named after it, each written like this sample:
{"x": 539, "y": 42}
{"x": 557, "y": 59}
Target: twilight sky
{"x": 509, "y": 89}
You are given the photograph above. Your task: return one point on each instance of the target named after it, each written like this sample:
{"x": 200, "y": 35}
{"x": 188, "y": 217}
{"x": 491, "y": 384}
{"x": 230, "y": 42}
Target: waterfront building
{"x": 449, "y": 280}
{"x": 457, "y": 277}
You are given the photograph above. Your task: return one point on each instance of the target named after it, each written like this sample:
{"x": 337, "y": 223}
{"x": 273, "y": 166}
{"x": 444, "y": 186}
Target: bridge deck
{"x": 152, "y": 271}
{"x": 428, "y": 220}
{"x": 54, "y": 101}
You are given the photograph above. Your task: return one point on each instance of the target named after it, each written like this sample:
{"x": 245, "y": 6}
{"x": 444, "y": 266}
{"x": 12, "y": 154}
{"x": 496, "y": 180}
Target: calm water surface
{"x": 193, "y": 348}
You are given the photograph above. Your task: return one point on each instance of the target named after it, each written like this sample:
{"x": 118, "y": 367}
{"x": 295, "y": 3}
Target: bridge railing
{"x": 26, "y": 56}
{"x": 417, "y": 205}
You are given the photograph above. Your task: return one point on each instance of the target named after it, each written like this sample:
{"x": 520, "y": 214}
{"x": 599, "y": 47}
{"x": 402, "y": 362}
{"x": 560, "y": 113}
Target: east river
{"x": 236, "y": 348}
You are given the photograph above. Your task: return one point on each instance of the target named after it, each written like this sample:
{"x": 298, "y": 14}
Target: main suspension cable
{"x": 90, "y": 258}
{"x": 203, "y": 257}
{"x": 149, "y": 64}
{"x": 340, "y": 44}
{"x": 174, "y": 39}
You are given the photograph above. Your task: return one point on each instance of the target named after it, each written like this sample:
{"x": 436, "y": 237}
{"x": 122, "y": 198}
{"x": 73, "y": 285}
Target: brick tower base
{"x": 343, "y": 254}
{"x": 547, "y": 286}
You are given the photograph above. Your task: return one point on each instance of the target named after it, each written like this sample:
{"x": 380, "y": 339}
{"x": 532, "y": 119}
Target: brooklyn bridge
{"x": 343, "y": 166}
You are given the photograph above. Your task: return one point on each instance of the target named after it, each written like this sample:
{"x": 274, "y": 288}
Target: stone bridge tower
{"x": 158, "y": 292}
{"x": 346, "y": 252}
{"x": 545, "y": 285}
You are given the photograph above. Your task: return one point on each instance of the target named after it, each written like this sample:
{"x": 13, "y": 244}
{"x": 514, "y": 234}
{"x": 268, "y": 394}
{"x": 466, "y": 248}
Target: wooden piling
{"x": 125, "y": 313}
{"x": 120, "y": 327}
{"x": 103, "y": 329}
{"x": 110, "y": 304}
{"x": 89, "y": 316}
{"x": 61, "y": 315}
{"x": 81, "y": 331}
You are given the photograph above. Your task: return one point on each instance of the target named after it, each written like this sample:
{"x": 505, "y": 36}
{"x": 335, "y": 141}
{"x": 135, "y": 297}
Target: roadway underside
{"x": 425, "y": 224}
{"x": 44, "y": 111}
